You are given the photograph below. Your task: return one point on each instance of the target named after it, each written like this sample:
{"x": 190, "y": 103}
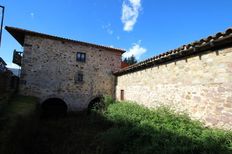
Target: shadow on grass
{"x": 15, "y": 113}
{"x": 74, "y": 133}
{"x": 96, "y": 133}
{"x": 121, "y": 129}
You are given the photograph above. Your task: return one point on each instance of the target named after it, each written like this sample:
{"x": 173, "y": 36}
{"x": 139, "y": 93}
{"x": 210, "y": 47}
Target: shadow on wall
{"x": 54, "y": 107}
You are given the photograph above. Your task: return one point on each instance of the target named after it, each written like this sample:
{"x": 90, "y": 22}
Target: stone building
{"x": 195, "y": 78}
{"x": 75, "y": 72}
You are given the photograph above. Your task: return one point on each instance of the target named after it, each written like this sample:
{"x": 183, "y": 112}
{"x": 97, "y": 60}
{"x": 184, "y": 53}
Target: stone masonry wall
{"x": 49, "y": 67}
{"x": 199, "y": 85}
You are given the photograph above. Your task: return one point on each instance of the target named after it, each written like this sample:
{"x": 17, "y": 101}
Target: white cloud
{"x": 130, "y": 13}
{"x": 108, "y": 28}
{"x": 137, "y": 50}
{"x": 12, "y": 65}
{"x": 32, "y": 15}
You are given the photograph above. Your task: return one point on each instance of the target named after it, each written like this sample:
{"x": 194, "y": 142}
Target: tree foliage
{"x": 130, "y": 60}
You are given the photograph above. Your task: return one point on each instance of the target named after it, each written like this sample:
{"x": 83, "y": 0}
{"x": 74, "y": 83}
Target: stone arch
{"x": 96, "y": 102}
{"x": 54, "y": 107}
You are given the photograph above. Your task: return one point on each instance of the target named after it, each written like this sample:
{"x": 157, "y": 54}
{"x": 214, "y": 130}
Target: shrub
{"x": 101, "y": 104}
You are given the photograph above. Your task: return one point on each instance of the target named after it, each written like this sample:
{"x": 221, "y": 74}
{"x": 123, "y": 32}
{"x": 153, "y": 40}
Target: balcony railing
{"x": 17, "y": 57}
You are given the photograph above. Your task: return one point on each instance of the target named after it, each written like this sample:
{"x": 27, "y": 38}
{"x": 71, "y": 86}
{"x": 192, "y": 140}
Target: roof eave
{"x": 220, "y": 43}
{"x": 4, "y": 63}
{"x": 18, "y": 35}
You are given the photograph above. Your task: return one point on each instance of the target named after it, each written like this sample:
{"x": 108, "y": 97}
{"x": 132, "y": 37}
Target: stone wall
{"x": 200, "y": 85}
{"x": 49, "y": 67}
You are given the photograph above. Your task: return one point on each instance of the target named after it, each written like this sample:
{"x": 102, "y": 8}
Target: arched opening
{"x": 54, "y": 107}
{"x": 96, "y": 103}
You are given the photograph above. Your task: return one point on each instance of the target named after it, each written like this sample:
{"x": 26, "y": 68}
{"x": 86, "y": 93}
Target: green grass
{"x": 140, "y": 130}
{"x": 16, "y": 118}
{"x": 21, "y": 106}
{"x": 4, "y": 99}
{"x": 119, "y": 128}
{"x": 73, "y": 134}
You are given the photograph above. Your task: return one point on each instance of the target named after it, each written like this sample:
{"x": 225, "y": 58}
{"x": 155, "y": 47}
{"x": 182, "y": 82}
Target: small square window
{"x": 81, "y": 57}
{"x": 79, "y": 77}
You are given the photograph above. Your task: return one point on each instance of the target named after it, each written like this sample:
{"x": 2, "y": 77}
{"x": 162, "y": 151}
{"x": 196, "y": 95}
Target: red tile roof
{"x": 19, "y": 35}
{"x": 211, "y": 42}
{"x": 123, "y": 64}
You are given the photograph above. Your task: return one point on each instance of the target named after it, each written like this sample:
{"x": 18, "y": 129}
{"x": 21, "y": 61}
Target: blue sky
{"x": 142, "y": 27}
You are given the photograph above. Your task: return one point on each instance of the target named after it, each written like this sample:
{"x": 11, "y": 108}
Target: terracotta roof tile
{"x": 217, "y": 40}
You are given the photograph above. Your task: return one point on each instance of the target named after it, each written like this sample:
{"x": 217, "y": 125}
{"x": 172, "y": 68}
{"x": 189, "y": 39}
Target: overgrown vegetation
{"x": 119, "y": 128}
{"x": 139, "y": 130}
{"x": 101, "y": 105}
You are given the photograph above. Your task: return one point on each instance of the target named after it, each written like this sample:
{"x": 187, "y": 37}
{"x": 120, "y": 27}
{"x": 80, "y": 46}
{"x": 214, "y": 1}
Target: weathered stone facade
{"x": 200, "y": 85}
{"x": 50, "y": 67}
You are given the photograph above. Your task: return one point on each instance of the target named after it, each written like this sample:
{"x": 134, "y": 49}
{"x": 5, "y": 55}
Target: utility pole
{"x": 3, "y": 8}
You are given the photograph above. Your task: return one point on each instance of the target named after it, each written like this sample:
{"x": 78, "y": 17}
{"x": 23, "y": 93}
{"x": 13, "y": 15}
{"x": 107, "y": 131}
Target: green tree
{"x": 130, "y": 60}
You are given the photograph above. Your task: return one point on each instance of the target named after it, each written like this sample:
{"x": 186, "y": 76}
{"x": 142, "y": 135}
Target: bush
{"x": 101, "y": 104}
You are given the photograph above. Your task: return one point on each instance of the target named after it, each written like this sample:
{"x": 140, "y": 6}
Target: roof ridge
{"x": 210, "y": 40}
{"x": 9, "y": 28}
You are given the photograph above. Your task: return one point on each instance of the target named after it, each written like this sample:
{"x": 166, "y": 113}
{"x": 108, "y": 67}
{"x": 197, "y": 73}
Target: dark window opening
{"x": 81, "y": 57}
{"x": 79, "y": 77}
{"x": 122, "y": 95}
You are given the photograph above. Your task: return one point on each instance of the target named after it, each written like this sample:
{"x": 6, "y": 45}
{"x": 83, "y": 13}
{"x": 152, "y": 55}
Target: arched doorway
{"x": 96, "y": 103}
{"x": 54, "y": 107}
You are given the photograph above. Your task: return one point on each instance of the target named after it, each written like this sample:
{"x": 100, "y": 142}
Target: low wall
{"x": 8, "y": 82}
{"x": 200, "y": 85}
